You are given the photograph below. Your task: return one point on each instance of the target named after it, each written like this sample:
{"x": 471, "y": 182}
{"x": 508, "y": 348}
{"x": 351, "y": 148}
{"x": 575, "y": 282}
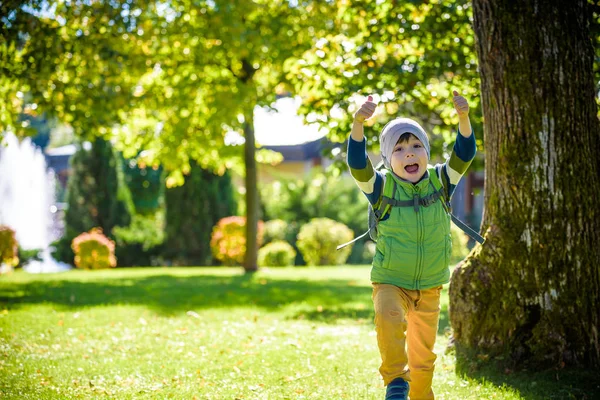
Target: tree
{"x": 193, "y": 209}
{"x": 77, "y": 61}
{"x": 214, "y": 62}
{"x": 97, "y": 197}
{"x": 410, "y": 55}
{"x": 532, "y": 291}
{"x": 175, "y": 77}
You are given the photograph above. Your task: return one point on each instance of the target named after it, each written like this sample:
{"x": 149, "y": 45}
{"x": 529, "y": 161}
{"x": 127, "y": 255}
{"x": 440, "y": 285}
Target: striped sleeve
{"x": 458, "y": 162}
{"x": 366, "y": 177}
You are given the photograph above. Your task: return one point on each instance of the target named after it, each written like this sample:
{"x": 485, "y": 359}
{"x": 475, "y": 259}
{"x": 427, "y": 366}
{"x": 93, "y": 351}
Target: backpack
{"x": 377, "y": 212}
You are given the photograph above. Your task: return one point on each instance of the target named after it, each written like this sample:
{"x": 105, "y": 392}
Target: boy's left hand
{"x": 460, "y": 104}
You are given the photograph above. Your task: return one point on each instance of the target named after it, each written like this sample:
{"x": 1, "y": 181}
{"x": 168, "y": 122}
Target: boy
{"x": 413, "y": 247}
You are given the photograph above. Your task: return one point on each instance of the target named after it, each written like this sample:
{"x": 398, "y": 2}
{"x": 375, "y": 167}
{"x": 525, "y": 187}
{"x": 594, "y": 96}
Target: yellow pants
{"x": 406, "y": 322}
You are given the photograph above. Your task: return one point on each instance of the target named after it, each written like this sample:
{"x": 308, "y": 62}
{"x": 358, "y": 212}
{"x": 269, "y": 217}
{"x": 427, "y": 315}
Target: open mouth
{"x": 412, "y": 168}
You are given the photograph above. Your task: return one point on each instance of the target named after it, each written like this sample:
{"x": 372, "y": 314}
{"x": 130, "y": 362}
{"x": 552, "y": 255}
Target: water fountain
{"x": 27, "y": 198}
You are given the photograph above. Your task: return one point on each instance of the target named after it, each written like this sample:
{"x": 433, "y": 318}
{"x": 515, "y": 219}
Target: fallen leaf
{"x": 193, "y": 314}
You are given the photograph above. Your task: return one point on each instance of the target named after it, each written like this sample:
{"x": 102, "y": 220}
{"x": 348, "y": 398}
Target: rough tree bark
{"x": 532, "y": 291}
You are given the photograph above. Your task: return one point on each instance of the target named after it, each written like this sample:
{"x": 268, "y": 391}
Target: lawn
{"x": 215, "y": 333}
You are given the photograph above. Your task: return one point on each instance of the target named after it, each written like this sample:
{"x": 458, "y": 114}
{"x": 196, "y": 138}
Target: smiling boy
{"x": 414, "y": 245}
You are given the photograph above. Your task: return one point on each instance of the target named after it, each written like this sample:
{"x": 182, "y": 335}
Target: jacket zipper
{"x": 421, "y": 246}
{"x": 421, "y": 250}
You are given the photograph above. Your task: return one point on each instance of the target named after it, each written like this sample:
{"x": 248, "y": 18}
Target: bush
{"x": 319, "y": 238}
{"x": 276, "y": 254}
{"x": 96, "y": 196}
{"x": 93, "y": 250}
{"x": 9, "y": 251}
{"x": 228, "y": 242}
{"x": 278, "y": 229}
{"x": 275, "y": 230}
{"x": 61, "y": 249}
{"x": 321, "y": 196}
{"x": 193, "y": 210}
{"x": 139, "y": 244}
{"x": 459, "y": 244}
{"x": 146, "y": 184}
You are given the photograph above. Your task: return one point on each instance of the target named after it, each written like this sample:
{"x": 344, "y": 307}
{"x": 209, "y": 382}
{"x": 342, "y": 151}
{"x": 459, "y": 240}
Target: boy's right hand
{"x": 365, "y": 111}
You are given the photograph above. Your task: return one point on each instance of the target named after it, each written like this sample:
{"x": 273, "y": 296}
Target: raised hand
{"x": 365, "y": 111}
{"x": 460, "y": 104}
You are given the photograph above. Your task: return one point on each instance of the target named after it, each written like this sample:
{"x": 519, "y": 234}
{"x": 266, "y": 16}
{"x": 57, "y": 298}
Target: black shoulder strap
{"x": 448, "y": 207}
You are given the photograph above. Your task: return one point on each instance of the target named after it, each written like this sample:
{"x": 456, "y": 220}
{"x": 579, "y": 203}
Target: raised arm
{"x": 361, "y": 169}
{"x": 462, "y": 108}
{"x": 464, "y": 148}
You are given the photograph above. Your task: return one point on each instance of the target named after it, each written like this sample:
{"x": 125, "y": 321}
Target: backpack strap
{"x": 417, "y": 201}
{"x": 380, "y": 209}
{"x": 441, "y": 192}
{"x": 445, "y": 188}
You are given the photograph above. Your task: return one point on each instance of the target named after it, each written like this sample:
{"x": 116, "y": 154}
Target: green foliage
{"x": 146, "y": 184}
{"x": 228, "y": 241}
{"x": 140, "y": 243}
{"x": 329, "y": 196}
{"x": 275, "y": 230}
{"x": 319, "y": 238}
{"x": 96, "y": 195}
{"x": 8, "y": 246}
{"x": 79, "y": 62}
{"x": 459, "y": 244}
{"x": 26, "y": 255}
{"x": 61, "y": 249}
{"x": 93, "y": 250}
{"x": 276, "y": 254}
{"x": 409, "y": 55}
{"x": 173, "y": 78}
{"x": 156, "y": 73}
{"x": 192, "y": 210}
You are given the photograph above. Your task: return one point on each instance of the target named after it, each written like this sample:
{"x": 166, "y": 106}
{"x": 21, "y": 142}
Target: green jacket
{"x": 413, "y": 247}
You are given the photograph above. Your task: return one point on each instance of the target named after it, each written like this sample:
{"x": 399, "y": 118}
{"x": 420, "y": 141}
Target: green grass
{"x": 215, "y": 333}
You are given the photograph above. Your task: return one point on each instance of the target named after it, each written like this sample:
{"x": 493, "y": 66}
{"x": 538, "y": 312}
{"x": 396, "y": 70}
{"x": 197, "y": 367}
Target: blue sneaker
{"x": 397, "y": 390}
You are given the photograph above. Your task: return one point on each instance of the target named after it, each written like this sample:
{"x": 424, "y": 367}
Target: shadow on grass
{"x": 171, "y": 294}
{"x": 323, "y": 301}
{"x": 532, "y": 384}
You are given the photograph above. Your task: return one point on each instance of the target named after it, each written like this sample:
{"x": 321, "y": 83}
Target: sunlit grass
{"x": 214, "y": 333}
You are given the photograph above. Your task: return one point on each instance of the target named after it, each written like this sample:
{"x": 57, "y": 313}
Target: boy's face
{"x": 409, "y": 159}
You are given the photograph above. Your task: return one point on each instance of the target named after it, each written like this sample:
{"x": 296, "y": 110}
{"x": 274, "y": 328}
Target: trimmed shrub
{"x": 193, "y": 209}
{"x": 96, "y": 196}
{"x": 93, "y": 250}
{"x": 459, "y": 244}
{"x": 140, "y": 243}
{"x": 275, "y": 230}
{"x": 276, "y": 254}
{"x": 320, "y": 196}
{"x": 319, "y": 238}
{"x": 9, "y": 250}
{"x": 228, "y": 243}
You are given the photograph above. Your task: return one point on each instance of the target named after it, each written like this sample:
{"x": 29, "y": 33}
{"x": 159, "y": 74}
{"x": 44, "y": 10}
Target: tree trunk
{"x": 250, "y": 263}
{"x": 532, "y": 291}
